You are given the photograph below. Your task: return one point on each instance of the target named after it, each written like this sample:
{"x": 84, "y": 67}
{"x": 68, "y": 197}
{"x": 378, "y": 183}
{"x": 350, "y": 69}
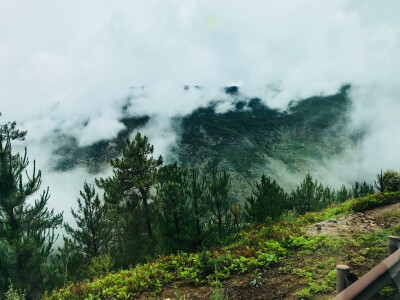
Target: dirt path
{"x": 366, "y": 222}
{"x": 274, "y": 286}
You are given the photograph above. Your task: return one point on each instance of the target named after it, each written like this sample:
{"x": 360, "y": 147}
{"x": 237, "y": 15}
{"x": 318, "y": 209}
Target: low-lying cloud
{"x": 71, "y": 66}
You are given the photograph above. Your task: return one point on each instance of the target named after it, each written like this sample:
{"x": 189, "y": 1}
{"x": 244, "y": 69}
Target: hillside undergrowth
{"x": 280, "y": 245}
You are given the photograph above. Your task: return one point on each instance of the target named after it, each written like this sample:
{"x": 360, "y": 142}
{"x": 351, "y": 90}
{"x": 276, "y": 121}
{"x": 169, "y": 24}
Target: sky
{"x": 66, "y": 64}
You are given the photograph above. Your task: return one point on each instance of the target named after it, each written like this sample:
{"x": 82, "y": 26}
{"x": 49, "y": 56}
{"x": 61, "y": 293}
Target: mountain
{"x": 247, "y": 141}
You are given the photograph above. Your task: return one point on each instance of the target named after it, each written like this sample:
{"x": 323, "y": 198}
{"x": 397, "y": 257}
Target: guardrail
{"x": 372, "y": 282}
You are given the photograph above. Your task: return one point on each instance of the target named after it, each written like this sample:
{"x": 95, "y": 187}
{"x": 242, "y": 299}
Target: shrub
{"x": 100, "y": 265}
{"x": 13, "y": 294}
{"x": 374, "y": 201}
{"x": 391, "y": 181}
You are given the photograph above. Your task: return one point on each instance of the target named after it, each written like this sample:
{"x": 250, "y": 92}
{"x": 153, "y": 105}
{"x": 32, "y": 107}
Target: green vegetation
{"x": 376, "y": 200}
{"x": 391, "y": 181}
{"x": 266, "y": 202}
{"x": 247, "y": 142}
{"x": 254, "y": 139}
{"x": 254, "y": 249}
{"x": 158, "y": 225}
{"x": 93, "y": 233}
{"x": 26, "y": 228}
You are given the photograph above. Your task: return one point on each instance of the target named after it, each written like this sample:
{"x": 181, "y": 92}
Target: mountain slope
{"x": 255, "y": 139}
{"x": 247, "y": 141}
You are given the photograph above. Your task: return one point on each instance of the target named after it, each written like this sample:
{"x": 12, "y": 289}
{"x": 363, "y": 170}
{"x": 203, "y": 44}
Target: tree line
{"x": 145, "y": 209}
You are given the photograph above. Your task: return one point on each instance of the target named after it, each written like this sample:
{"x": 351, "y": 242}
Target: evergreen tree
{"x": 134, "y": 176}
{"x": 380, "y": 184}
{"x": 217, "y": 197}
{"x": 361, "y": 190}
{"x": 251, "y": 207}
{"x": 236, "y": 215}
{"x": 266, "y": 200}
{"x": 26, "y": 230}
{"x": 93, "y": 232}
{"x": 196, "y": 192}
{"x": 308, "y": 196}
{"x": 128, "y": 197}
{"x": 329, "y": 196}
{"x": 172, "y": 203}
{"x": 343, "y": 194}
{"x": 70, "y": 265}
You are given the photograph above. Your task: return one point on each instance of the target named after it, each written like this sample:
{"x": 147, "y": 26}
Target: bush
{"x": 100, "y": 265}
{"x": 13, "y": 294}
{"x": 374, "y": 201}
{"x": 391, "y": 181}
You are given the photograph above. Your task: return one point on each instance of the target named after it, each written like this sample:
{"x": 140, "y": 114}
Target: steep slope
{"x": 255, "y": 139}
{"x": 247, "y": 141}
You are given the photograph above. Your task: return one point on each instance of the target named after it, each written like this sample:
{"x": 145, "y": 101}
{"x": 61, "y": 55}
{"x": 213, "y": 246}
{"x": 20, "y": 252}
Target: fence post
{"x": 393, "y": 244}
{"x": 341, "y": 272}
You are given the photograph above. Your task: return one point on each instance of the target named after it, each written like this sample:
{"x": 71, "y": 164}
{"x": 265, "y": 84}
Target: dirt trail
{"x": 365, "y": 222}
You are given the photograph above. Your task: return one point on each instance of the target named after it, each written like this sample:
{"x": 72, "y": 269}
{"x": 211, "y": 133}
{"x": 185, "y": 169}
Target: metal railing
{"x": 372, "y": 282}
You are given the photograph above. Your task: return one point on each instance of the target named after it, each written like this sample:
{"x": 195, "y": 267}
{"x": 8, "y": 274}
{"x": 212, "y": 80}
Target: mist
{"x": 70, "y": 67}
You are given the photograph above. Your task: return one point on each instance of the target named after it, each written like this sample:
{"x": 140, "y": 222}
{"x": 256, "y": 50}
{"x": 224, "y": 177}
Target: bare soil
{"x": 357, "y": 223}
{"x": 274, "y": 285}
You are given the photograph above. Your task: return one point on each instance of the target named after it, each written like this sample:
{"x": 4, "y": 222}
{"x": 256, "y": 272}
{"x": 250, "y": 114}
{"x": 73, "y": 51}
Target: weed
{"x": 257, "y": 279}
{"x": 218, "y": 292}
{"x": 177, "y": 293}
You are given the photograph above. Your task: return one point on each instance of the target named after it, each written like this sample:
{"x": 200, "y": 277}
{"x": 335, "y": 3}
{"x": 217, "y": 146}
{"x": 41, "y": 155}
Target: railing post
{"x": 341, "y": 272}
{"x": 393, "y": 244}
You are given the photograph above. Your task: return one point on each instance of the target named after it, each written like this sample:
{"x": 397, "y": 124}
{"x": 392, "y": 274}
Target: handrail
{"x": 372, "y": 282}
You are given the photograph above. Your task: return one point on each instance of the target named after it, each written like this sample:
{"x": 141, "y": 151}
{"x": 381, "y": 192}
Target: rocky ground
{"x": 366, "y": 222}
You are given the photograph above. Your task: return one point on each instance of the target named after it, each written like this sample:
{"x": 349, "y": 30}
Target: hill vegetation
{"x": 158, "y": 224}
{"x": 247, "y": 141}
{"x": 277, "y": 246}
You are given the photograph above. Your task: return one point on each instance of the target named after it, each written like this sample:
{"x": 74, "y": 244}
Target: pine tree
{"x": 380, "y": 183}
{"x": 173, "y": 206}
{"x": 196, "y": 192}
{"x": 26, "y": 230}
{"x": 361, "y": 190}
{"x": 266, "y": 200}
{"x": 130, "y": 202}
{"x": 308, "y": 196}
{"x": 134, "y": 176}
{"x": 218, "y": 201}
{"x": 70, "y": 264}
{"x": 343, "y": 194}
{"x": 93, "y": 232}
{"x": 329, "y": 196}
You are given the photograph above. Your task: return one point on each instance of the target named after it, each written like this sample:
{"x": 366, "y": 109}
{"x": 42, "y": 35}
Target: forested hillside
{"x": 149, "y": 209}
{"x": 248, "y": 141}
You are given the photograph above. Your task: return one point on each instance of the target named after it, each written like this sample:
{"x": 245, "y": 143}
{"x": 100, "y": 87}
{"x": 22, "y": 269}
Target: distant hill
{"x": 247, "y": 141}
